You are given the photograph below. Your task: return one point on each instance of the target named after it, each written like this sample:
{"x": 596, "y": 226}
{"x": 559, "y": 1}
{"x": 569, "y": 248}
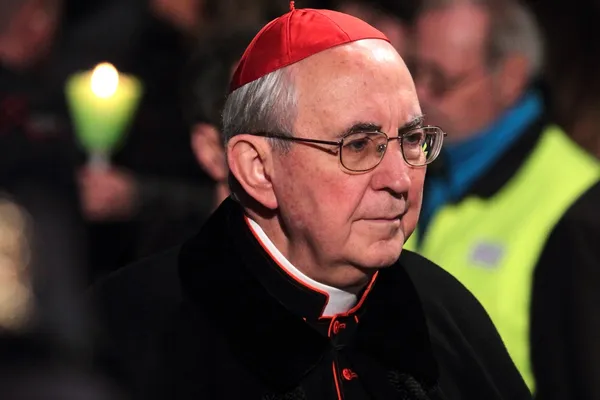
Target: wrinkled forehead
{"x": 363, "y": 81}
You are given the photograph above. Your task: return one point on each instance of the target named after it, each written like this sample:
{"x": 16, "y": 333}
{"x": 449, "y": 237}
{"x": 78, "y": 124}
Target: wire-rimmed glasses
{"x": 363, "y": 151}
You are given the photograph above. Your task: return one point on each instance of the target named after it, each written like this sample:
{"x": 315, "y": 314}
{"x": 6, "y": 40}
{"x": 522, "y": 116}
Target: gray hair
{"x": 514, "y": 29}
{"x": 266, "y": 105}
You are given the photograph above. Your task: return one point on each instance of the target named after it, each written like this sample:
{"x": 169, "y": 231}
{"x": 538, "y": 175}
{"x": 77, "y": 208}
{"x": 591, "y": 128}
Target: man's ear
{"x": 208, "y": 149}
{"x": 250, "y": 162}
{"x": 513, "y": 78}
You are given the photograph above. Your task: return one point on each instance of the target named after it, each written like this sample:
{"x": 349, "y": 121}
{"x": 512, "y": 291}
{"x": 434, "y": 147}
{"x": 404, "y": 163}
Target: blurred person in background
{"x": 124, "y": 204}
{"x": 177, "y": 209}
{"x": 27, "y": 28}
{"x": 33, "y": 366}
{"x": 574, "y": 86}
{"x": 37, "y": 179}
{"x": 511, "y": 206}
{"x": 240, "y": 14}
{"x": 32, "y": 369}
{"x": 16, "y": 297}
{"x": 391, "y": 19}
{"x": 155, "y": 189}
{"x": 206, "y": 83}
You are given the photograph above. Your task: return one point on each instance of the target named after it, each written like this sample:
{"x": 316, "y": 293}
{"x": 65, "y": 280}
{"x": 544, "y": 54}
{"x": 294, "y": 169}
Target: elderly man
{"x": 298, "y": 288}
{"x": 512, "y": 208}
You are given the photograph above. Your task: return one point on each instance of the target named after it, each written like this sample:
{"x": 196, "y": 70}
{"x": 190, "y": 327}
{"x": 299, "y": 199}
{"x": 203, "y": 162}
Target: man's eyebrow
{"x": 414, "y": 123}
{"x": 364, "y": 126}
{"x": 358, "y": 127}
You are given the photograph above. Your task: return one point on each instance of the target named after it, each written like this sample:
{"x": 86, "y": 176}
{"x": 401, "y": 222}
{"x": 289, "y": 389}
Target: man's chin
{"x": 381, "y": 255}
{"x": 376, "y": 249}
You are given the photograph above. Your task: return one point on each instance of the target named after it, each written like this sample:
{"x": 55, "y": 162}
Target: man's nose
{"x": 392, "y": 173}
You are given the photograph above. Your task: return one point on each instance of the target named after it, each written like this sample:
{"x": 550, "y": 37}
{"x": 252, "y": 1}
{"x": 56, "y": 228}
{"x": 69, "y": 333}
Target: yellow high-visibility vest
{"x": 492, "y": 245}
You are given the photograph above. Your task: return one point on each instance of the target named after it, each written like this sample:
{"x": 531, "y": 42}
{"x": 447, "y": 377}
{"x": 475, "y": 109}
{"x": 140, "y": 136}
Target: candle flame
{"x": 105, "y": 80}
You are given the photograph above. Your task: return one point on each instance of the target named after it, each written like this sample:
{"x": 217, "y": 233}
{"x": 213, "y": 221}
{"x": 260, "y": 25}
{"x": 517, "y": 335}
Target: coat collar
{"x": 263, "y": 312}
{"x": 337, "y": 301}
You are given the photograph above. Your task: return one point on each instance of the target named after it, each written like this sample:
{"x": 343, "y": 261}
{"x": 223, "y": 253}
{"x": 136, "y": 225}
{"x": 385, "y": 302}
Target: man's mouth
{"x": 388, "y": 218}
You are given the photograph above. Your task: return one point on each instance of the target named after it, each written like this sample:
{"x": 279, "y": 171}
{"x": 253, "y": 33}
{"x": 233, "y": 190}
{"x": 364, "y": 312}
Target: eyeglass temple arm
{"x": 295, "y": 139}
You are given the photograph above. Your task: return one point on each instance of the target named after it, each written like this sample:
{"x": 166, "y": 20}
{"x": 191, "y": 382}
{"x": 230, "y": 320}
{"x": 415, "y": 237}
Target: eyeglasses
{"x": 438, "y": 83}
{"x": 363, "y": 151}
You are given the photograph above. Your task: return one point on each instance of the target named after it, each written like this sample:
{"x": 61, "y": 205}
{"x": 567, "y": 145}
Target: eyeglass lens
{"x": 363, "y": 151}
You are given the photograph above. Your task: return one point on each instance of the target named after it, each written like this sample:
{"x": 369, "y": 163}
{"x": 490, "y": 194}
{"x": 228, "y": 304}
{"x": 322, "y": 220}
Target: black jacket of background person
{"x": 217, "y": 319}
{"x": 565, "y": 299}
{"x": 37, "y": 172}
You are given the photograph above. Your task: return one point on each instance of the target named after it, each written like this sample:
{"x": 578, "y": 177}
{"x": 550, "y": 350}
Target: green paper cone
{"x": 102, "y": 122}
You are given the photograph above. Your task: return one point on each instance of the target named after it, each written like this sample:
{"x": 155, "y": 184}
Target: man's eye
{"x": 358, "y": 144}
{"x": 415, "y": 138}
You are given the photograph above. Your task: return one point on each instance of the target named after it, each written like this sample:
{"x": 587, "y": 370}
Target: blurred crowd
{"x": 65, "y": 224}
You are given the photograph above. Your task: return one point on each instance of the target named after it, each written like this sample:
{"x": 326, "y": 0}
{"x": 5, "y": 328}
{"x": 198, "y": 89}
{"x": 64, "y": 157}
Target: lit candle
{"x": 102, "y": 103}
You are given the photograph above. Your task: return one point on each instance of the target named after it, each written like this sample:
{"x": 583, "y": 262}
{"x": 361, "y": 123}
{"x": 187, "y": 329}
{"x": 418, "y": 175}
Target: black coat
{"x": 217, "y": 319}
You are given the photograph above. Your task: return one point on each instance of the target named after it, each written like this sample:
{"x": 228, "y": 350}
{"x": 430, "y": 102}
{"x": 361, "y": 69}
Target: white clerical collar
{"x": 338, "y": 301}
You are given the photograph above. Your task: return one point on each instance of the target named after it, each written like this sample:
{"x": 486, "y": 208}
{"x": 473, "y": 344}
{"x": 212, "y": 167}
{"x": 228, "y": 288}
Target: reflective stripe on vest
{"x": 492, "y": 245}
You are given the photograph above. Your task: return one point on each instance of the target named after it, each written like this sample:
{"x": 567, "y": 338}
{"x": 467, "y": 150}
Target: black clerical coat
{"x": 217, "y": 318}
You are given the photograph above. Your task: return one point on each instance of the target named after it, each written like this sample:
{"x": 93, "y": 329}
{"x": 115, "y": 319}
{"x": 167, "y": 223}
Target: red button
{"x": 337, "y": 327}
{"x": 348, "y": 374}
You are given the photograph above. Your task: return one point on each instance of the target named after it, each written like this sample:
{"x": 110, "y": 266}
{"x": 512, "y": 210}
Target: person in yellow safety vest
{"x": 511, "y": 207}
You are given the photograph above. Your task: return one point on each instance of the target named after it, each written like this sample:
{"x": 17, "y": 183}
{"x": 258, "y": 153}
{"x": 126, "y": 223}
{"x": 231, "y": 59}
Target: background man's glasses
{"x": 440, "y": 84}
{"x": 363, "y": 151}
